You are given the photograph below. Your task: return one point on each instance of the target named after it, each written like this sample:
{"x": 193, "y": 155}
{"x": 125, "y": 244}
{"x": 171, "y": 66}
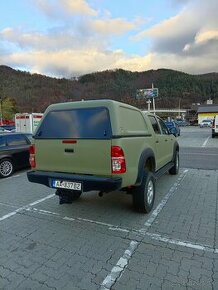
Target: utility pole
{"x": 179, "y": 106}
{"x": 149, "y": 105}
{"x": 153, "y": 99}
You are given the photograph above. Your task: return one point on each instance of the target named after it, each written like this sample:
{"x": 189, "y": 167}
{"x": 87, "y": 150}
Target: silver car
{"x": 205, "y": 123}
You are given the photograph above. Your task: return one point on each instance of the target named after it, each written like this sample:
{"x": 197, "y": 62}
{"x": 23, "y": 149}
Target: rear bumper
{"x": 89, "y": 182}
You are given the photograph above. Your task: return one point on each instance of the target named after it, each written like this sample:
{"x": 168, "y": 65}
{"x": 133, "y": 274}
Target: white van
{"x": 215, "y": 126}
{"x": 27, "y": 123}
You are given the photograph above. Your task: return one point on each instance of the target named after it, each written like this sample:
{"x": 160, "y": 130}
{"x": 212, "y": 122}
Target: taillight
{"x": 118, "y": 162}
{"x": 32, "y": 160}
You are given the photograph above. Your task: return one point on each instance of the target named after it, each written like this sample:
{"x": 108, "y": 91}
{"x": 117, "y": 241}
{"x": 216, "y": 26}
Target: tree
{"x": 7, "y": 108}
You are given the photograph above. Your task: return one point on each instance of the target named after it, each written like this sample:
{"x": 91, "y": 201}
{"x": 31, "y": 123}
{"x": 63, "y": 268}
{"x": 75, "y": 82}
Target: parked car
{"x": 182, "y": 123}
{"x": 173, "y": 128}
{"x": 215, "y": 127}
{"x": 14, "y": 152}
{"x": 205, "y": 123}
{"x": 10, "y": 128}
{"x": 2, "y": 130}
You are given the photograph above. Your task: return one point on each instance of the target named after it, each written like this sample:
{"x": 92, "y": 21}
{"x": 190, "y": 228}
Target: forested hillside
{"x": 34, "y": 92}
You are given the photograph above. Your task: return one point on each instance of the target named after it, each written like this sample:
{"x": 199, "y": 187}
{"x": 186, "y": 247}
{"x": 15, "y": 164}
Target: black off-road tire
{"x": 143, "y": 195}
{"x": 67, "y": 196}
{"x": 6, "y": 167}
{"x": 175, "y": 169}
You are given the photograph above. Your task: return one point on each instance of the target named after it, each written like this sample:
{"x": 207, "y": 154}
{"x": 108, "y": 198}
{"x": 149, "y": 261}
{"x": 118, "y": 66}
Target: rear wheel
{"x": 175, "y": 169}
{"x": 144, "y": 194}
{"x": 6, "y": 167}
{"x": 67, "y": 196}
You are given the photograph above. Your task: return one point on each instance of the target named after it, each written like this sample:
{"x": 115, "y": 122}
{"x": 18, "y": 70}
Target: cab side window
{"x": 154, "y": 124}
{"x": 163, "y": 127}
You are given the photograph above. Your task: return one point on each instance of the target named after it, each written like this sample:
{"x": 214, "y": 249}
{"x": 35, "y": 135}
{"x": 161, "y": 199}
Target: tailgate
{"x": 75, "y": 140}
{"x": 82, "y": 156}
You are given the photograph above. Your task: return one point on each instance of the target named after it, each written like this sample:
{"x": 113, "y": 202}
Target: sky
{"x": 69, "y": 38}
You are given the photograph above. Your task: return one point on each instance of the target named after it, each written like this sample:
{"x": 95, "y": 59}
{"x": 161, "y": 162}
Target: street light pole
{"x": 153, "y": 99}
{"x": 149, "y": 105}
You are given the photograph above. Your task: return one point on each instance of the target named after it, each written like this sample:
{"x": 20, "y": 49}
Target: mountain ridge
{"x": 34, "y": 92}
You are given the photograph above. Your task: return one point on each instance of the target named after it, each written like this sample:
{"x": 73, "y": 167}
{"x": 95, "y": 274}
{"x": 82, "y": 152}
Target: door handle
{"x": 69, "y": 150}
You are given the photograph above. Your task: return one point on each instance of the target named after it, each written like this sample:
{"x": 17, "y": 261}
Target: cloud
{"x": 206, "y": 36}
{"x": 60, "y": 9}
{"x": 204, "y": 40}
{"x": 193, "y": 31}
{"x": 78, "y": 7}
{"x": 192, "y": 64}
{"x": 171, "y": 35}
{"x": 181, "y": 2}
{"x": 57, "y": 39}
{"x": 46, "y": 7}
{"x": 69, "y": 63}
{"x": 187, "y": 41}
{"x": 113, "y": 26}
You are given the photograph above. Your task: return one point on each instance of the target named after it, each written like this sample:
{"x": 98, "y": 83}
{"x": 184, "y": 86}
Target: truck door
{"x": 162, "y": 141}
{"x": 168, "y": 140}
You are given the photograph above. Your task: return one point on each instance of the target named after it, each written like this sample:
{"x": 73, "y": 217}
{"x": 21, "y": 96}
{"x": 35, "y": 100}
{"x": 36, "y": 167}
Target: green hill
{"x": 34, "y": 92}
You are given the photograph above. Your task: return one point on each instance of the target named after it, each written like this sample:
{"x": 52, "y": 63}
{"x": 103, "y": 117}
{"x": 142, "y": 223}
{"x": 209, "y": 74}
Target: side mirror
{"x": 172, "y": 131}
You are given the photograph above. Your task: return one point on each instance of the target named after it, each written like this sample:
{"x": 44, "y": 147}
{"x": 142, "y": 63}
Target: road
{"x": 101, "y": 243}
{"x": 197, "y": 148}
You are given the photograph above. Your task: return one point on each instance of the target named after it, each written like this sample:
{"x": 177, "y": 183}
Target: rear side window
{"x": 15, "y": 140}
{"x": 132, "y": 120}
{"x": 2, "y": 141}
{"x": 89, "y": 123}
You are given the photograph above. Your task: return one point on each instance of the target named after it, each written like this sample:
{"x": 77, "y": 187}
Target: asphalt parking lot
{"x": 101, "y": 243}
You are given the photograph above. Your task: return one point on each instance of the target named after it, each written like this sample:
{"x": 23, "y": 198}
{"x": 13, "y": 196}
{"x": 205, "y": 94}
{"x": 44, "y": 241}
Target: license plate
{"x": 67, "y": 185}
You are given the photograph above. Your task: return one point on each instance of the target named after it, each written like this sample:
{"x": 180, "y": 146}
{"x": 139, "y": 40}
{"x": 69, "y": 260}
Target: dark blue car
{"x": 173, "y": 128}
{"x": 14, "y": 152}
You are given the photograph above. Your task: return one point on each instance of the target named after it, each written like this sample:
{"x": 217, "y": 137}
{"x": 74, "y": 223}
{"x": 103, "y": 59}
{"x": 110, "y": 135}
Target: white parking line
{"x": 153, "y": 236}
{"x": 205, "y": 142}
{"x": 9, "y": 205}
{"x": 171, "y": 192}
{"x": 117, "y": 272}
{"x": 79, "y": 219}
{"x": 10, "y": 177}
{"x": 25, "y": 207}
{"x": 186, "y": 244}
{"x": 120, "y": 266}
{"x": 123, "y": 261}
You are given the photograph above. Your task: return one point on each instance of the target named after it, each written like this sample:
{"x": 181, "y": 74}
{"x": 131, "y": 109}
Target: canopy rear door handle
{"x": 67, "y": 150}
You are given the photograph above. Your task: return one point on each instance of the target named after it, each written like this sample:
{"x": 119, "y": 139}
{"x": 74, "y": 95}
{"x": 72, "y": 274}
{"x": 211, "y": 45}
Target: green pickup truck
{"x": 102, "y": 145}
